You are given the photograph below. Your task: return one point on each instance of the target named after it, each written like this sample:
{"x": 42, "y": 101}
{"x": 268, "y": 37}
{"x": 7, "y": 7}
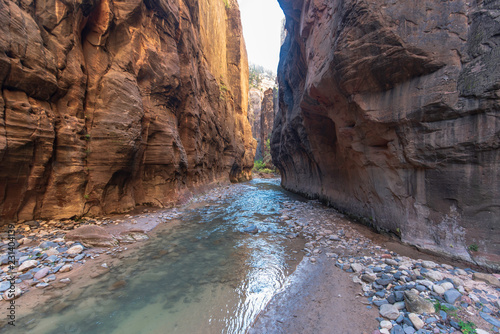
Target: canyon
{"x": 389, "y": 111}
{"x": 108, "y": 104}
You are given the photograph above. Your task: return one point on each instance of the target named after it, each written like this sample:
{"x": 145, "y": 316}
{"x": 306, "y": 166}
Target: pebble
{"x": 385, "y": 324}
{"x": 42, "y": 285}
{"x": 389, "y": 311}
{"x": 66, "y": 268}
{"x": 42, "y": 273}
{"x": 74, "y": 250}
{"x": 416, "y": 321}
{"x": 28, "y": 265}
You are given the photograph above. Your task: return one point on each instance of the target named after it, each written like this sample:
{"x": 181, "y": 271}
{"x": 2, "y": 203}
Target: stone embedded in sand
{"x": 28, "y": 264}
{"x": 74, "y": 250}
{"x": 91, "y": 235}
{"x": 66, "y": 268}
{"x": 9, "y": 295}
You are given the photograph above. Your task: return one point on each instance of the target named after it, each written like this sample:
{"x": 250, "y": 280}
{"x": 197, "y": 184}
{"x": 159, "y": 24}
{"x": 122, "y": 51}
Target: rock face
{"x": 389, "y": 110}
{"x": 266, "y": 120}
{"x": 255, "y": 96}
{"x": 108, "y": 104}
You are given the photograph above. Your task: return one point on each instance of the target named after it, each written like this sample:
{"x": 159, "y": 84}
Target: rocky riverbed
{"x": 372, "y": 278}
{"x": 413, "y": 292}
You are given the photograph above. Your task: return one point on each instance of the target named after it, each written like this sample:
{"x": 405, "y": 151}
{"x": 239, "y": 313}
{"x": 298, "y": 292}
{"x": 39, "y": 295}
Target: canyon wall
{"x": 390, "y": 111}
{"x": 266, "y": 120}
{"x": 107, "y": 104}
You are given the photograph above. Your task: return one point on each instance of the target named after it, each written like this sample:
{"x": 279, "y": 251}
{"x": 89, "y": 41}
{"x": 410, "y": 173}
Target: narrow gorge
{"x": 158, "y": 176}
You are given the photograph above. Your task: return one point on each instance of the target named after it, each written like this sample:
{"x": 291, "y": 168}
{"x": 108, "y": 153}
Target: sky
{"x": 261, "y": 21}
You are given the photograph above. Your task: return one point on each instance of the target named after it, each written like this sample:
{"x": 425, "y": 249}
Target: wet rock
{"x": 91, "y": 235}
{"x": 252, "y": 229}
{"x": 389, "y": 311}
{"x": 118, "y": 285}
{"x": 416, "y": 304}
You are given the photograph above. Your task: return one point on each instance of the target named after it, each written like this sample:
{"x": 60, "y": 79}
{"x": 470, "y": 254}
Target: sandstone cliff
{"x": 266, "y": 120}
{"x": 390, "y": 110}
{"x": 107, "y": 104}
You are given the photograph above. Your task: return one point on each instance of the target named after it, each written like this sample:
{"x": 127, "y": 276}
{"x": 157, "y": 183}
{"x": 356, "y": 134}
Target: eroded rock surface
{"x": 108, "y": 104}
{"x": 389, "y": 110}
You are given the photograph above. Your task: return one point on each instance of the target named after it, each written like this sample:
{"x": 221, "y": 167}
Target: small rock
{"x": 452, "y": 295}
{"x": 357, "y": 267}
{"x": 385, "y": 324}
{"x": 480, "y": 331}
{"x": 51, "y": 251}
{"x": 416, "y": 321}
{"x": 447, "y": 286}
{"x": 416, "y": 304}
{"x": 429, "y": 264}
{"x": 9, "y": 295}
{"x": 42, "y": 285}
{"x": 66, "y": 268}
{"x": 4, "y": 286}
{"x": 438, "y": 289}
{"x": 389, "y": 311}
{"x": 75, "y": 250}
{"x": 434, "y": 275}
{"x": 65, "y": 280}
{"x": 28, "y": 265}
{"x": 42, "y": 273}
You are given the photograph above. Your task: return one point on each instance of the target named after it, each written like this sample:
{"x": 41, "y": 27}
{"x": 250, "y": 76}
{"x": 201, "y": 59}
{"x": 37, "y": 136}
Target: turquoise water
{"x": 204, "y": 275}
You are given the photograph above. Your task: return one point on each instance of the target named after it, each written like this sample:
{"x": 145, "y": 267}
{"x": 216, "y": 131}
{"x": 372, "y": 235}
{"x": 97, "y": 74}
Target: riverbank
{"x": 347, "y": 275}
{"x": 353, "y": 280}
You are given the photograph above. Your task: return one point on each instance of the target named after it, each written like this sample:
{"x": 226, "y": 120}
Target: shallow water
{"x": 205, "y": 275}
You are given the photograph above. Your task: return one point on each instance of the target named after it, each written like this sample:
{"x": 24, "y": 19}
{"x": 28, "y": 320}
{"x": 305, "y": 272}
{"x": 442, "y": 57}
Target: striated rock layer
{"x": 107, "y": 104}
{"x": 390, "y": 110}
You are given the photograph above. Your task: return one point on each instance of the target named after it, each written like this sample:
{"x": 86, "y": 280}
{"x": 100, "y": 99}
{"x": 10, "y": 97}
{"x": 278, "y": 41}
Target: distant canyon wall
{"x": 390, "y": 111}
{"x": 107, "y": 104}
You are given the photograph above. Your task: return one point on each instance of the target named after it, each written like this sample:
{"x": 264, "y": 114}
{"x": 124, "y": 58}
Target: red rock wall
{"x": 107, "y": 104}
{"x": 266, "y": 119}
{"x": 390, "y": 110}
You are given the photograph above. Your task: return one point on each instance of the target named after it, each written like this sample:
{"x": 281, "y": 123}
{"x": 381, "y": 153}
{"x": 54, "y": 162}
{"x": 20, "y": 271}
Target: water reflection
{"x": 203, "y": 276}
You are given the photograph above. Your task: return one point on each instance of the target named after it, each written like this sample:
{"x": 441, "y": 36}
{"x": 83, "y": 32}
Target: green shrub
{"x": 474, "y": 248}
{"x": 467, "y": 327}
